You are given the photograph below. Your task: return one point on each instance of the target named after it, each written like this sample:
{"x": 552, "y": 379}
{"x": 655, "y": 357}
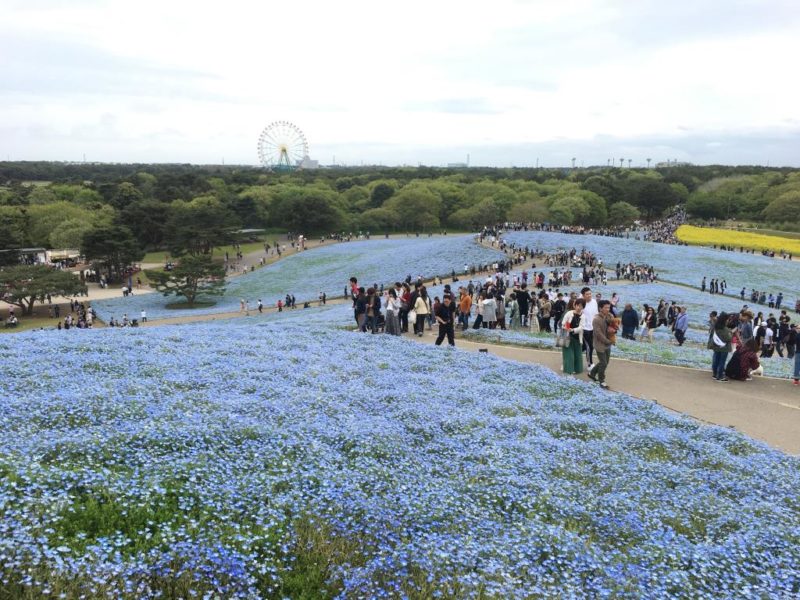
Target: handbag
{"x": 412, "y": 316}
{"x": 562, "y": 339}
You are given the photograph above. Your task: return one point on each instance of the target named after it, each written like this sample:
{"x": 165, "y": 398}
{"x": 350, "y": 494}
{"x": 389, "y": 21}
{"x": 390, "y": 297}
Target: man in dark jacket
{"x": 602, "y": 342}
{"x": 444, "y": 317}
{"x": 559, "y": 308}
{"x": 630, "y": 320}
{"x": 523, "y": 300}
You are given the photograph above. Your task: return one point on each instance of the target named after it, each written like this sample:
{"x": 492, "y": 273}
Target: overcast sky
{"x": 507, "y": 82}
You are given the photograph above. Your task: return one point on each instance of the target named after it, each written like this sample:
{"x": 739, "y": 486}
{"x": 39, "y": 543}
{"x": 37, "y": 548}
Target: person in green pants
{"x": 572, "y": 353}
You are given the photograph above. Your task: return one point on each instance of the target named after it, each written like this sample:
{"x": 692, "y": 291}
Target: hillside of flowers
{"x": 324, "y": 269}
{"x": 281, "y": 457}
{"x": 709, "y": 236}
{"x": 681, "y": 264}
{"x": 662, "y": 351}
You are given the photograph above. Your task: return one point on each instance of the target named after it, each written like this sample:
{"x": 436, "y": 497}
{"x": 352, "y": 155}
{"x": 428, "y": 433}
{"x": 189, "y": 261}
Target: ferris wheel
{"x": 282, "y": 146}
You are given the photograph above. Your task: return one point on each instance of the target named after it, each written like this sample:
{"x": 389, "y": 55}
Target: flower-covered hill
{"x": 681, "y": 264}
{"x": 323, "y": 269}
{"x": 268, "y": 458}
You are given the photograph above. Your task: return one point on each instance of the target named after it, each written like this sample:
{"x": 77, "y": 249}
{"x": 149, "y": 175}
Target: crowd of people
{"x": 745, "y": 336}
{"x": 662, "y": 231}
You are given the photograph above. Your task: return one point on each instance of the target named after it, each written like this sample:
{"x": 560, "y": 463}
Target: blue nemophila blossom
{"x": 662, "y": 350}
{"x": 276, "y": 457}
{"x": 324, "y": 269}
{"x": 681, "y": 264}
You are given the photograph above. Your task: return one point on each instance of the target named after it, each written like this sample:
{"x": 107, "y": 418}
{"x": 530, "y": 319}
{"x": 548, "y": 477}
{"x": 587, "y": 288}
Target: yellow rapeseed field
{"x": 707, "y": 236}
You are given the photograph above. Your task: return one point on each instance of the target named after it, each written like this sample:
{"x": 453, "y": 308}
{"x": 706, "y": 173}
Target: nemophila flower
{"x": 229, "y": 458}
{"x": 324, "y": 269}
{"x": 682, "y": 264}
{"x": 693, "y": 354}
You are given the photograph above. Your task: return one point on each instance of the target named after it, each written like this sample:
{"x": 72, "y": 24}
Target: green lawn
{"x": 158, "y": 255}
{"x": 28, "y": 323}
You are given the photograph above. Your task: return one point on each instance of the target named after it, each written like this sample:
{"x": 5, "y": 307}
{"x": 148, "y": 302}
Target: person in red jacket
{"x": 744, "y": 362}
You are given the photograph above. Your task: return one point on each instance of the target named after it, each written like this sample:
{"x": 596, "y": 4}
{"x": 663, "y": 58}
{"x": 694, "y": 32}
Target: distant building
{"x": 307, "y": 163}
{"x": 461, "y": 165}
{"x": 29, "y": 256}
{"x": 672, "y": 163}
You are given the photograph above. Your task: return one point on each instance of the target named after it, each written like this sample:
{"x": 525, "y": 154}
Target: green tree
{"x": 706, "y": 206}
{"x": 529, "y": 212}
{"x": 785, "y": 208}
{"x": 600, "y": 186}
{"x": 147, "y": 219}
{"x": 252, "y": 206}
{"x": 380, "y": 193}
{"x": 654, "y": 197}
{"x": 23, "y": 285}
{"x": 417, "y": 206}
{"x": 199, "y": 226}
{"x": 622, "y": 213}
{"x": 194, "y": 276}
{"x": 12, "y": 234}
{"x": 112, "y": 248}
{"x": 41, "y": 194}
{"x": 126, "y": 194}
{"x": 378, "y": 220}
{"x": 310, "y": 210}
{"x": 44, "y": 219}
{"x": 561, "y": 213}
{"x": 69, "y": 234}
{"x": 146, "y": 183}
{"x": 570, "y": 210}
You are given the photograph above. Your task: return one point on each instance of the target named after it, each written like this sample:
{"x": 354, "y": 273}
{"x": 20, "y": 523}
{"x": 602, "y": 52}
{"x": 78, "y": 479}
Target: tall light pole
{"x": 621, "y": 160}
{"x": 648, "y": 162}
{"x": 608, "y": 162}
{"x": 629, "y": 162}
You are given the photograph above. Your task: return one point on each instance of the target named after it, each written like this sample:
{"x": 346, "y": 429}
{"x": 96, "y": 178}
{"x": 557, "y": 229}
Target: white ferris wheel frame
{"x": 282, "y": 144}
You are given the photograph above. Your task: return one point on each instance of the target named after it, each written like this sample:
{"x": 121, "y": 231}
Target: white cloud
{"x": 196, "y": 81}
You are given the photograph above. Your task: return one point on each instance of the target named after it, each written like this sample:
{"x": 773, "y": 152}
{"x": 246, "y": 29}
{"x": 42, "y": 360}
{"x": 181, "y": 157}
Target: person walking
{"x": 464, "y": 309}
{"x": 523, "y": 299}
{"x": 572, "y": 352}
{"x": 489, "y": 311}
{"x": 500, "y": 310}
{"x": 797, "y": 368}
{"x": 360, "y": 309}
{"x": 630, "y": 321}
{"x": 422, "y": 308}
{"x": 590, "y": 310}
{"x": 444, "y": 316}
{"x": 719, "y": 340}
{"x": 602, "y": 343}
{"x": 649, "y": 323}
{"x": 514, "y": 320}
{"x": 392, "y": 310}
{"x": 681, "y": 325}
{"x": 373, "y": 310}
{"x": 744, "y": 330}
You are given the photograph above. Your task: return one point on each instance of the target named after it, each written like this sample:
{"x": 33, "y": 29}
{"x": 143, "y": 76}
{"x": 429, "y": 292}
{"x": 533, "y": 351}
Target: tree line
{"x": 114, "y": 213}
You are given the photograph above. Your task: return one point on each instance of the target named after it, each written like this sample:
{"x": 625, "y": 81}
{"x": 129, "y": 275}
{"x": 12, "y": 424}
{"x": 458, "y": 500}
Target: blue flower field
{"x": 283, "y": 457}
{"x": 324, "y": 269}
{"x": 681, "y": 264}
